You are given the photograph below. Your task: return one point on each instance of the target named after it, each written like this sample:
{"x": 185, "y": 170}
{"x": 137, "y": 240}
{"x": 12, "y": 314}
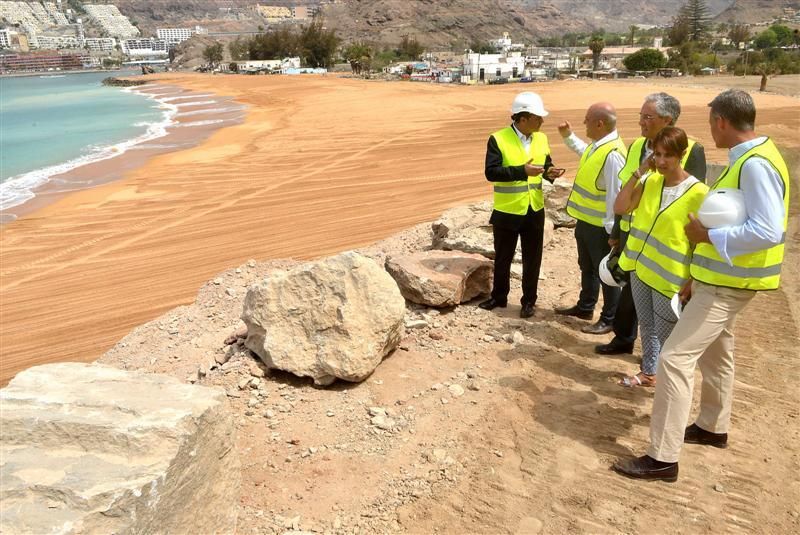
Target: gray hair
{"x": 737, "y": 107}
{"x": 666, "y": 105}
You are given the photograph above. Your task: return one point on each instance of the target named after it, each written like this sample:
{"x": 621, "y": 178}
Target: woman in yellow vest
{"x": 657, "y": 253}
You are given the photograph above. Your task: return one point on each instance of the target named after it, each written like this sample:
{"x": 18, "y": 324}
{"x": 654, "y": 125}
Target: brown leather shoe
{"x": 646, "y": 467}
{"x": 695, "y": 434}
{"x": 599, "y": 327}
{"x": 575, "y": 311}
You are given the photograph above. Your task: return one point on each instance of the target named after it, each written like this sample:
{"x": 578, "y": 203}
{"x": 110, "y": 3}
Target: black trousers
{"x": 626, "y": 324}
{"x": 531, "y": 234}
{"x": 593, "y": 245}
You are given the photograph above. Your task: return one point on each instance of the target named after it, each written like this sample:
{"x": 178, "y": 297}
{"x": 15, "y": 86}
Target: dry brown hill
{"x": 433, "y": 22}
{"x": 750, "y": 11}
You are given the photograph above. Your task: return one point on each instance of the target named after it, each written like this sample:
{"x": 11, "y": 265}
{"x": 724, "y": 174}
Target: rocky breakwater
{"x": 335, "y": 318}
{"x": 122, "y": 82}
{"x": 94, "y": 449}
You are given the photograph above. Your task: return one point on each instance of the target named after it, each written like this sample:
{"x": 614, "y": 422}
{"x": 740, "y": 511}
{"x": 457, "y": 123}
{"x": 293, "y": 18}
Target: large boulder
{"x": 467, "y": 229}
{"x": 93, "y": 449}
{"x": 336, "y": 318}
{"x": 441, "y": 278}
{"x": 555, "y": 203}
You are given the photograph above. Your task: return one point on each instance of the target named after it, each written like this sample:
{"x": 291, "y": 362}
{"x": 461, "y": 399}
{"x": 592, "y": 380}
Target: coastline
{"x": 317, "y": 166}
{"x": 179, "y": 129}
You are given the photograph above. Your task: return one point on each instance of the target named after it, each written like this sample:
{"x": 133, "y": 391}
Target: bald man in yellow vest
{"x": 592, "y": 204}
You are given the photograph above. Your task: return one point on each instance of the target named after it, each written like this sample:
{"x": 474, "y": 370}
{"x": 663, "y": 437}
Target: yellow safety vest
{"x": 515, "y": 197}
{"x": 587, "y": 201}
{"x": 657, "y": 247}
{"x": 632, "y": 163}
{"x": 760, "y": 270}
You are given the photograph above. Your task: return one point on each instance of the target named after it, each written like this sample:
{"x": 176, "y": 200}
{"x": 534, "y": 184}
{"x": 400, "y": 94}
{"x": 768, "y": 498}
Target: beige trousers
{"x": 704, "y": 336}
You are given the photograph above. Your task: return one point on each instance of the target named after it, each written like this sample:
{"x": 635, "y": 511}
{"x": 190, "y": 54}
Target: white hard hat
{"x": 610, "y": 272}
{"x": 529, "y": 102}
{"x": 723, "y": 207}
{"x": 676, "y": 305}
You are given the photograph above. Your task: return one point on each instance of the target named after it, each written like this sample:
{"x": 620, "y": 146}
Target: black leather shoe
{"x": 492, "y": 303}
{"x": 527, "y": 311}
{"x": 646, "y": 467}
{"x": 614, "y": 347}
{"x": 575, "y": 311}
{"x": 695, "y": 434}
{"x": 599, "y": 327}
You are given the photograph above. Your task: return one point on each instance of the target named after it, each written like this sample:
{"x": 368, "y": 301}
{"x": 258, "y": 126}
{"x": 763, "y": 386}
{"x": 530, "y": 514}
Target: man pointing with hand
{"x": 592, "y": 204}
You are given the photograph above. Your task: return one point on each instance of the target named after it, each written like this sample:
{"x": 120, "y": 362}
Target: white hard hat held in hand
{"x": 723, "y": 207}
{"x": 610, "y": 272}
{"x": 529, "y": 102}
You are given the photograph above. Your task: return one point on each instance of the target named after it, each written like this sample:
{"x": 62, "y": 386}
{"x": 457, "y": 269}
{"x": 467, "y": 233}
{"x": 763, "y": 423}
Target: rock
{"x": 416, "y": 324}
{"x": 92, "y": 449}
{"x": 517, "y": 337}
{"x": 456, "y": 390}
{"x": 719, "y": 488}
{"x": 441, "y": 278}
{"x": 465, "y": 228}
{"x": 555, "y": 203}
{"x": 336, "y": 318}
{"x": 381, "y": 421}
{"x": 217, "y": 281}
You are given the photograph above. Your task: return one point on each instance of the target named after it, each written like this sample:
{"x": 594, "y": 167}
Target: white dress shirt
{"x": 525, "y": 140}
{"x": 763, "y": 191}
{"x": 614, "y": 164}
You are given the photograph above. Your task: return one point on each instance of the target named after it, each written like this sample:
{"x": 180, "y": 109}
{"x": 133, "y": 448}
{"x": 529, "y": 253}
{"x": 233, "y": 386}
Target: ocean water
{"x": 50, "y": 124}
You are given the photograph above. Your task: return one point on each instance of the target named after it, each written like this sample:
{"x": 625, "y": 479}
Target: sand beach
{"x": 320, "y": 164}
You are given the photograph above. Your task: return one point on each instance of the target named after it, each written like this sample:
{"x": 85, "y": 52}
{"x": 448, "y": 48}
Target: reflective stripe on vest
{"x": 515, "y": 197}
{"x": 657, "y": 247}
{"x": 587, "y": 201}
{"x": 753, "y": 271}
{"x": 632, "y": 164}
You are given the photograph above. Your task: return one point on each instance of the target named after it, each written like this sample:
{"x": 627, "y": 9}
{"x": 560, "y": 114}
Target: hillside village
{"x": 72, "y": 35}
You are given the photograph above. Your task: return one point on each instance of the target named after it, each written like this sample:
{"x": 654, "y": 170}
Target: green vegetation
{"x": 315, "y": 44}
{"x": 596, "y": 45}
{"x": 359, "y": 55}
{"x": 646, "y": 59}
{"x": 213, "y": 54}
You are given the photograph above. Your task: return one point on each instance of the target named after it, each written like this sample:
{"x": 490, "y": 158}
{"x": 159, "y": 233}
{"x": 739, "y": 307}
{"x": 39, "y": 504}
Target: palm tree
{"x": 633, "y": 33}
{"x": 596, "y": 45}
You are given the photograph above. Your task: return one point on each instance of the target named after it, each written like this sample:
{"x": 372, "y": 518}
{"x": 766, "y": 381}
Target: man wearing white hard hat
{"x": 729, "y": 265}
{"x": 517, "y": 158}
{"x": 592, "y": 204}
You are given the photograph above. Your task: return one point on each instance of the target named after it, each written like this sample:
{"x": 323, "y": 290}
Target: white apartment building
{"x": 57, "y": 42}
{"x": 5, "y": 38}
{"x": 111, "y": 20}
{"x": 484, "y": 67}
{"x": 174, "y": 36}
{"x": 139, "y": 48}
{"x": 100, "y": 44}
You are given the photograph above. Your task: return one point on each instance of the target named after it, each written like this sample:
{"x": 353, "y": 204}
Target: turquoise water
{"x": 50, "y": 124}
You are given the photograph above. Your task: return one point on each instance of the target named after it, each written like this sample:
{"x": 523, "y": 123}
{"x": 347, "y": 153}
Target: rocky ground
{"x": 481, "y": 421}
